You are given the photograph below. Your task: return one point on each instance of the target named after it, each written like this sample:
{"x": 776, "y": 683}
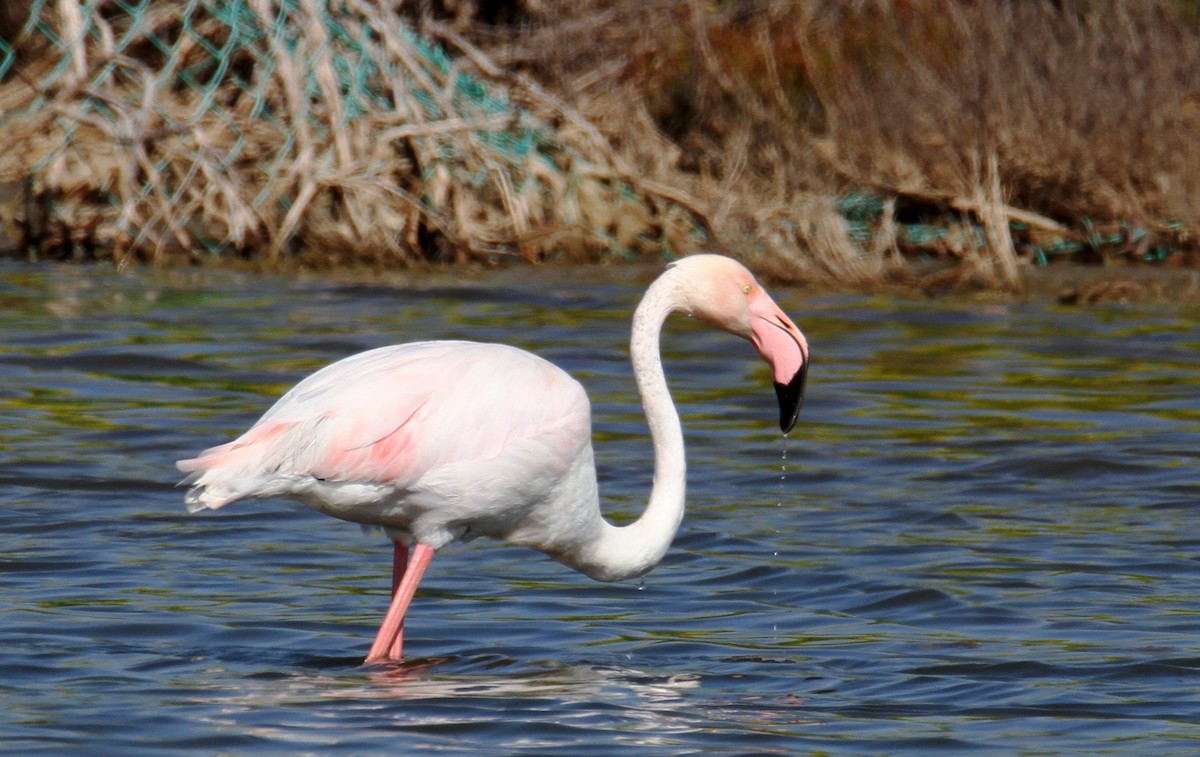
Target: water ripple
{"x": 977, "y": 540}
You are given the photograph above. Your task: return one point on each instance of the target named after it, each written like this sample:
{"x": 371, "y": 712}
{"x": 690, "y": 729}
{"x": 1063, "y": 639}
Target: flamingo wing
{"x": 454, "y": 417}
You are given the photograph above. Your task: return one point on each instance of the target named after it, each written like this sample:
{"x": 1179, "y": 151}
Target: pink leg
{"x": 399, "y": 567}
{"x": 399, "y": 564}
{"x": 389, "y": 640}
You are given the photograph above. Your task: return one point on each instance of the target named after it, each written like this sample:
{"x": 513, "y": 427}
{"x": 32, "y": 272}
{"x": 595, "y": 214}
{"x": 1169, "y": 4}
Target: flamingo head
{"x": 722, "y": 292}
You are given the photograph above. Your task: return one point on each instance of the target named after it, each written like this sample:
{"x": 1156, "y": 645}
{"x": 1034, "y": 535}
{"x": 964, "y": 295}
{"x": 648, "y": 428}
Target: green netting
{"x": 277, "y": 125}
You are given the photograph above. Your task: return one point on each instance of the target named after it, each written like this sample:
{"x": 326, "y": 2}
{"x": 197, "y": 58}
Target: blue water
{"x": 982, "y": 536}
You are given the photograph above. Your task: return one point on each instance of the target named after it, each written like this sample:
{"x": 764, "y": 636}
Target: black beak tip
{"x": 791, "y": 397}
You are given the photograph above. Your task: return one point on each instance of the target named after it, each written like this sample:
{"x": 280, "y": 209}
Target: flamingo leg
{"x": 399, "y": 568}
{"x": 390, "y": 639}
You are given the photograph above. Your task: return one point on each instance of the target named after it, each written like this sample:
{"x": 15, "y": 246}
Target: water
{"x": 983, "y": 538}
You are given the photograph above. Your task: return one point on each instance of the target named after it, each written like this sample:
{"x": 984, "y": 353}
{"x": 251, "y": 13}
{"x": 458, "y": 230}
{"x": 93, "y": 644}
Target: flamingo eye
{"x": 746, "y": 289}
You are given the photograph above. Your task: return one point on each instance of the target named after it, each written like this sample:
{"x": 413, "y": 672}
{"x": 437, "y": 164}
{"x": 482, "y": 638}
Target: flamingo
{"x": 444, "y": 441}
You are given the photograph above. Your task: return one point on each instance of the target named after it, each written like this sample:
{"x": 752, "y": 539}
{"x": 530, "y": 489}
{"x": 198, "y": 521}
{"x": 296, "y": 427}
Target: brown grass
{"x": 1020, "y": 130}
{"x": 131, "y": 153}
{"x": 1087, "y": 110}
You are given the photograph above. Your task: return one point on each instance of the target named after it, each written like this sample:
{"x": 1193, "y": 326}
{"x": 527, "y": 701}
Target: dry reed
{"x": 1088, "y": 108}
{"x": 289, "y": 132}
{"x": 991, "y": 134}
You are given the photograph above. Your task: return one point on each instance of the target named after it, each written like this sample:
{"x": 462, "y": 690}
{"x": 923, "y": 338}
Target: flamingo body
{"x": 460, "y": 452}
{"x": 437, "y": 442}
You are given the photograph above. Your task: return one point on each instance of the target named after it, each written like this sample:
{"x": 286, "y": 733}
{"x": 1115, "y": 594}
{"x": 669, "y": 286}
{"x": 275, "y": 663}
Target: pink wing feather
{"x": 393, "y": 416}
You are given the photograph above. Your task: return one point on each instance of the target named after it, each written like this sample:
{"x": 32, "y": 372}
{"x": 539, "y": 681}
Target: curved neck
{"x": 620, "y": 552}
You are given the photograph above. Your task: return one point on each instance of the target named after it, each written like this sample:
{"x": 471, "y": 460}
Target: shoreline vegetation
{"x": 937, "y": 144}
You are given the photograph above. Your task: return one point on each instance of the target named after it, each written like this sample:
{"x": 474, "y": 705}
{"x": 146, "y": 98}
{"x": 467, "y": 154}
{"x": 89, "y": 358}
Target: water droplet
{"x": 782, "y": 473}
{"x": 641, "y": 584}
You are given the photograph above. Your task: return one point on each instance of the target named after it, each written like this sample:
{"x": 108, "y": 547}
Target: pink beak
{"x": 785, "y": 349}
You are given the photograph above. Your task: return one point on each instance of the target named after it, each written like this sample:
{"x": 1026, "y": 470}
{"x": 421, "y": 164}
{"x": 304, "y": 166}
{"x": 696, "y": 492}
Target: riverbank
{"x": 928, "y": 146}
{"x": 1066, "y": 284}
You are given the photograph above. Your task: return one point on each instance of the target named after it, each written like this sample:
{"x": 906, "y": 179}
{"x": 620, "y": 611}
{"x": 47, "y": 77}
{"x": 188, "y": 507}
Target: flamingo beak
{"x": 784, "y": 348}
{"x": 791, "y": 396}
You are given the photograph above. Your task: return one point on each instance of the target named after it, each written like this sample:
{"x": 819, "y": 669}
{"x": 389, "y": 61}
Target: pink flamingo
{"x": 437, "y": 442}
